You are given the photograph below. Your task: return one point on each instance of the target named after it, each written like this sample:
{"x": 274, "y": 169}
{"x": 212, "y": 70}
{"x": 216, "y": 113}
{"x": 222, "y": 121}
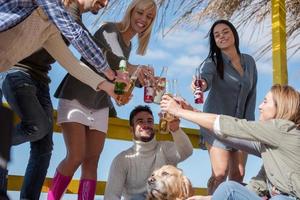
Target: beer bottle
{"x": 161, "y": 85}
{"x": 198, "y": 93}
{"x": 120, "y": 86}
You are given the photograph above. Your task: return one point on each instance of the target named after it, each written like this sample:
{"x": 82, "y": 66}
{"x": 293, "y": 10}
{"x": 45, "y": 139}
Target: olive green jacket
{"x": 279, "y": 146}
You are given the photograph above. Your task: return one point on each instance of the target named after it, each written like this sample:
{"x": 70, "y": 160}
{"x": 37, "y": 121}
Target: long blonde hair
{"x": 124, "y": 24}
{"x": 287, "y": 102}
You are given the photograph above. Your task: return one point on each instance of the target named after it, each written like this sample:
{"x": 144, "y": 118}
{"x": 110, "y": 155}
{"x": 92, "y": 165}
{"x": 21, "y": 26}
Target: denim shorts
{"x": 211, "y": 139}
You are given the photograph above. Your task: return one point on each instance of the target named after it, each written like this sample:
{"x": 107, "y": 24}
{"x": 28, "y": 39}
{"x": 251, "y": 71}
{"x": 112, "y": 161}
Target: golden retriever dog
{"x": 168, "y": 183}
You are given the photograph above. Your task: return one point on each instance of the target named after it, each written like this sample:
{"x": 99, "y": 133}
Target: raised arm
{"x": 76, "y": 35}
{"x": 208, "y": 72}
{"x": 108, "y": 39}
{"x": 183, "y": 147}
{"x": 228, "y": 126}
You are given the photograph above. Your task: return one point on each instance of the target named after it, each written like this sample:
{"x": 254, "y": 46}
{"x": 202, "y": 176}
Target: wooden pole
{"x": 279, "y": 42}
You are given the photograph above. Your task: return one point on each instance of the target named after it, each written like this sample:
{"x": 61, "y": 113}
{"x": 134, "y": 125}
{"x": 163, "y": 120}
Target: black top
{"x": 110, "y": 41}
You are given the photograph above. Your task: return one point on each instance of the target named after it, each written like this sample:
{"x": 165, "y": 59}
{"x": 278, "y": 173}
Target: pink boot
{"x": 58, "y": 187}
{"x": 87, "y": 189}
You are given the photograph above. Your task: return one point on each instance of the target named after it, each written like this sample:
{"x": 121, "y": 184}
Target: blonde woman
{"x": 275, "y": 138}
{"x": 83, "y": 113}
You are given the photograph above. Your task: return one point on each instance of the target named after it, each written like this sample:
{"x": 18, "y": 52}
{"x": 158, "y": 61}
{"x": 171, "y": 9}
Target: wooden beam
{"x": 15, "y": 183}
{"x": 119, "y": 129}
{"x": 280, "y": 74}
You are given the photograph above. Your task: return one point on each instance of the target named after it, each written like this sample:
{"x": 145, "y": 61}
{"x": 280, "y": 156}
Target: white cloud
{"x": 157, "y": 54}
{"x": 264, "y": 67}
{"x": 181, "y": 38}
{"x": 197, "y": 49}
{"x": 185, "y": 65}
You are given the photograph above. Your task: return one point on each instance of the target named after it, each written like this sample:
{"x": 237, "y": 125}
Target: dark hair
{"x": 137, "y": 110}
{"x": 215, "y": 52}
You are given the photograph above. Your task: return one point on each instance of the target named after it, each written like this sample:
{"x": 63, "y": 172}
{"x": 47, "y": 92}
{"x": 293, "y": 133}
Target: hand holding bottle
{"x": 109, "y": 73}
{"x": 171, "y": 90}
{"x": 160, "y": 85}
{"x": 122, "y": 78}
{"x": 203, "y": 84}
{"x": 183, "y": 103}
{"x": 108, "y": 87}
{"x": 174, "y": 124}
{"x": 169, "y": 105}
{"x": 126, "y": 97}
{"x": 146, "y": 74}
{"x": 198, "y": 86}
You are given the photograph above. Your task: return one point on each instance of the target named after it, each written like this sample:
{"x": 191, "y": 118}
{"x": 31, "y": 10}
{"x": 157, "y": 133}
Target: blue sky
{"x": 181, "y": 50}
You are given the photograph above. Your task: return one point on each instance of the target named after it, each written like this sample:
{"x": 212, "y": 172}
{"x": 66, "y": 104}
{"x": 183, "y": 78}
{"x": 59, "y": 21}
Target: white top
{"x": 131, "y": 168}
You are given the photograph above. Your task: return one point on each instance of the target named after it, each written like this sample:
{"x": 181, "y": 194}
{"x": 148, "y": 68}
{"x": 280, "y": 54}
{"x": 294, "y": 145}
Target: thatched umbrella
{"x": 194, "y": 12}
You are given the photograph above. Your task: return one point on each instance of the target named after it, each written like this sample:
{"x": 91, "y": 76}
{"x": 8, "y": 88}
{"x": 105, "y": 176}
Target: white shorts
{"x": 73, "y": 111}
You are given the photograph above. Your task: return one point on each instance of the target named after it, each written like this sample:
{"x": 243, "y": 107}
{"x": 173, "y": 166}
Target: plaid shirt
{"x": 13, "y": 12}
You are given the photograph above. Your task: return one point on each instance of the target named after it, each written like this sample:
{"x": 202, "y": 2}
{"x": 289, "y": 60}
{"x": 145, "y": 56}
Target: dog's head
{"x": 168, "y": 183}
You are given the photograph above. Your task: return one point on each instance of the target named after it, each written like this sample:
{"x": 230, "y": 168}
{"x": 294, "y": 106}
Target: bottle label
{"x": 148, "y": 94}
{"x": 161, "y": 88}
{"x": 198, "y": 95}
{"x": 149, "y": 91}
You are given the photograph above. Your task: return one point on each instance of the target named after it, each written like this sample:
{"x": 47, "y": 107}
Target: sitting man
{"x": 131, "y": 168}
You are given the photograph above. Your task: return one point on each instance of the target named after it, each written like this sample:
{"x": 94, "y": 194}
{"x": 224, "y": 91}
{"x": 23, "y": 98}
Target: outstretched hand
{"x": 109, "y": 73}
{"x": 146, "y": 73}
{"x": 203, "y": 84}
{"x": 183, "y": 103}
{"x": 108, "y": 87}
{"x": 122, "y": 76}
{"x": 168, "y": 104}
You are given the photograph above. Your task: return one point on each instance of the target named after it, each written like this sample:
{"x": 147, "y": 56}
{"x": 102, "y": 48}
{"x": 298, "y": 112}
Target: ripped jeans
{"x": 31, "y": 101}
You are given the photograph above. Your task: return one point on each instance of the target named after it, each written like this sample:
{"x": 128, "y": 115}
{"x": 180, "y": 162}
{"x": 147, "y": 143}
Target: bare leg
{"x": 219, "y": 159}
{"x": 237, "y": 164}
{"x": 94, "y": 145}
{"x": 75, "y": 140}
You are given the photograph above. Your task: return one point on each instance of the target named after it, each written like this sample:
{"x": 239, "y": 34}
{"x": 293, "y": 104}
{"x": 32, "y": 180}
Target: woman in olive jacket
{"x": 275, "y": 138}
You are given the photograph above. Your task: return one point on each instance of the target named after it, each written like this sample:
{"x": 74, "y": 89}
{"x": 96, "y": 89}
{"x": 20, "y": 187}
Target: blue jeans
{"x": 1, "y": 96}
{"x": 31, "y": 101}
{"x": 231, "y": 190}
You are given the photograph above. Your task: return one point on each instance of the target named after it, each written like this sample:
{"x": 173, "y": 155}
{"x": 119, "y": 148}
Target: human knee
{"x": 220, "y": 177}
{"x": 228, "y": 186}
{"x": 75, "y": 159}
{"x": 38, "y": 129}
{"x": 237, "y": 176}
{"x": 214, "y": 182}
{"x": 91, "y": 162}
{"x": 45, "y": 126}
